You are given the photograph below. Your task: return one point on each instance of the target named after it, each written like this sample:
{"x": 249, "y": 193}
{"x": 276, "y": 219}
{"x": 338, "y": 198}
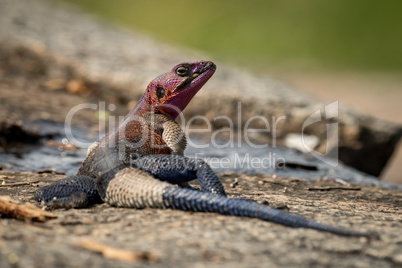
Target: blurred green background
{"x": 308, "y": 34}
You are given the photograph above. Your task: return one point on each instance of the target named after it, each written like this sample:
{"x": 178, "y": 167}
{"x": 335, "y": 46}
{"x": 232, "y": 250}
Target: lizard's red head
{"x": 171, "y": 92}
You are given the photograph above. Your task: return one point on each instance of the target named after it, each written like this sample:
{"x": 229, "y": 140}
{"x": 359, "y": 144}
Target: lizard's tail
{"x": 192, "y": 200}
{"x": 131, "y": 187}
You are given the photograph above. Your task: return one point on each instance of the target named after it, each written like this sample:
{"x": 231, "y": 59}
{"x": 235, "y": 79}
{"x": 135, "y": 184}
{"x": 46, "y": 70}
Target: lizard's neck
{"x": 141, "y": 108}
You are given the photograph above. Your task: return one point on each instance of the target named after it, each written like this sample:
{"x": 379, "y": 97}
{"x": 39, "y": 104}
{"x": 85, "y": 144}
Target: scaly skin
{"x": 139, "y": 164}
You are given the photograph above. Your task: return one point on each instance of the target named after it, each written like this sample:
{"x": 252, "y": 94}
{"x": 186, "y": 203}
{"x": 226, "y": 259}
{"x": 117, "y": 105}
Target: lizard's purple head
{"x": 171, "y": 92}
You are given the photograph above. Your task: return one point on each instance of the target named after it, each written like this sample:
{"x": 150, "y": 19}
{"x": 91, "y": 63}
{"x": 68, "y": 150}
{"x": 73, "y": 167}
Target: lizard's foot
{"x": 75, "y": 200}
{"x": 71, "y": 192}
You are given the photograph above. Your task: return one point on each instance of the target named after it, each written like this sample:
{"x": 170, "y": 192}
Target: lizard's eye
{"x": 160, "y": 92}
{"x": 182, "y": 70}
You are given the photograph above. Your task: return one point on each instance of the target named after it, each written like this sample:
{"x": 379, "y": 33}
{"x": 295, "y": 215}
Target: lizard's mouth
{"x": 187, "y": 89}
{"x": 192, "y": 81}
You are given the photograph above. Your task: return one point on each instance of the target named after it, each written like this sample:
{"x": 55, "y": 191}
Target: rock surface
{"x": 96, "y": 58}
{"x": 182, "y": 239}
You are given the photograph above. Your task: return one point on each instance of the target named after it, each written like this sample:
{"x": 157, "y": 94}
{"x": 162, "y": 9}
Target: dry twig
{"x": 18, "y": 184}
{"x": 115, "y": 253}
{"x": 329, "y": 188}
{"x": 15, "y": 209}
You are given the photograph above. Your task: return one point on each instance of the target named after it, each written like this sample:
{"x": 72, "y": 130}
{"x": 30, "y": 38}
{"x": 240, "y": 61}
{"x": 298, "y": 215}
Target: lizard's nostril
{"x": 209, "y": 64}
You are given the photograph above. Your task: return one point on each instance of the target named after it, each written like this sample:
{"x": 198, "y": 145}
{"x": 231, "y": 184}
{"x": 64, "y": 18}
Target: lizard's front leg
{"x": 71, "y": 192}
{"x": 177, "y": 169}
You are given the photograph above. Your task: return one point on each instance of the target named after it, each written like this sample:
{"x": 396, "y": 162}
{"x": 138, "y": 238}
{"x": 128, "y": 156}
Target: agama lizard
{"x": 141, "y": 162}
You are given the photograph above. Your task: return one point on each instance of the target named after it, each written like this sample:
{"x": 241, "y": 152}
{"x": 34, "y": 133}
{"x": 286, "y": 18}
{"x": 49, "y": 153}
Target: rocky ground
{"x": 160, "y": 238}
